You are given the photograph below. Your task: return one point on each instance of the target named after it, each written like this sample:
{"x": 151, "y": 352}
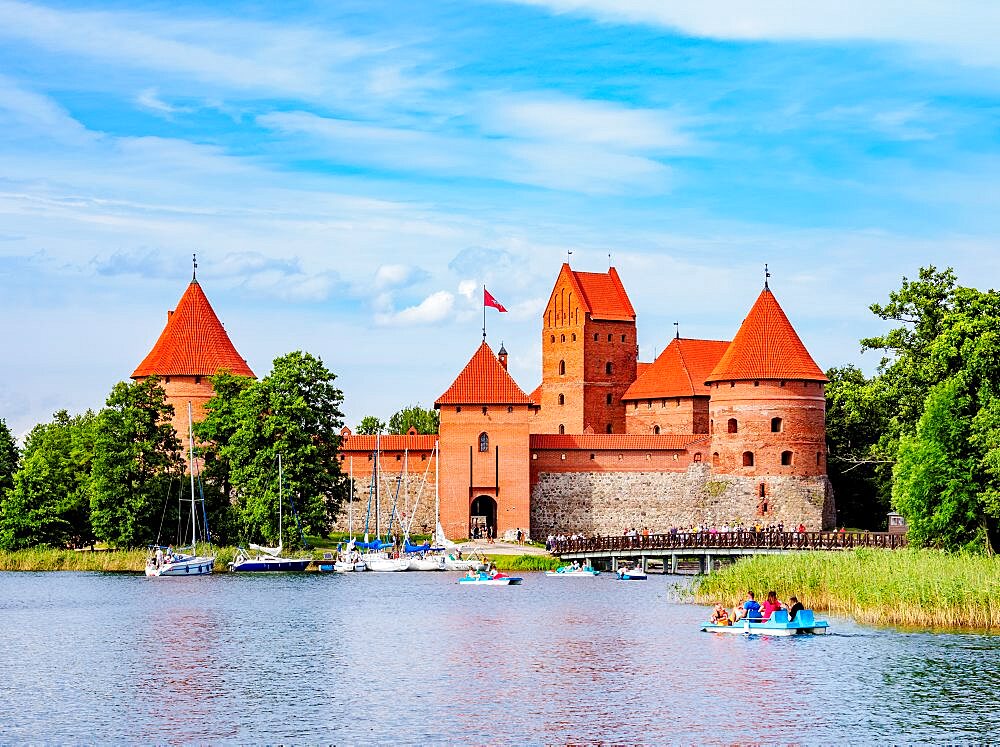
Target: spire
{"x": 484, "y": 381}
{"x": 766, "y": 276}
{"x": 194, "y": 342}
{"x": 677, "y": 330}
{"x": 766, "y": 347}
{"x": 194, "y": 271}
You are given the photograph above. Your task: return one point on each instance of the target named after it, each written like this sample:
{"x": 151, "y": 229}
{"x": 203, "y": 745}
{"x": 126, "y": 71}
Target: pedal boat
{"x": 778, "y": 625}
{"x": 568, "y": 571}
{"x": 632, "y": 574}
{"x": 478, "y": 578}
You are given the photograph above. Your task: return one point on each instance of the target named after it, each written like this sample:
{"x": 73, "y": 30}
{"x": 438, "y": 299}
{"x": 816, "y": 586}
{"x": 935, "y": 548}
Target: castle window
{"x": 608, "y": 368}
{"x": 563, "y": 457}
{"x": 484, "y": 441}
{"x": 775, "y": 425}
{"x": 756, "y": 383}
{"x": 398, "y": 457}
{"x": 656, "y": 430}
{"x": 609, "y": 429}
{"x": 562, "y": 399}
{"x": 819, "y": 459}
{"x": 591, "y": 456}
{"x": 562, "y": 368}
{"x": 197, "y": 379}
{"x": 711, "y": 426}
{"x": 678, "y": 402}
{"x": 484, "y": 411}
{"x": 663, "y": 403}
{"x": 635, "y": 405}
{"x": 786, "y": 459}
{"x": 781, "y": 383}
{"x": 697, "y": 456}
{"x": 649, "y": 404}
{"x": 748, "y": 459}
{"x": 458, "y": 409}
{"x": 733, "y": 426}
{"x": 166, "y": 380}
{"x": 732, "y": 384}
{"x": 608, "y": 399}
{"x": 552, "y": 338}
{"x": 562, "y": 338}
{"x": 715, "y": 459}
{"x": 510, "y": 408}
{"x": 574, "y": 337}
{"x": 595, "y": 337}
{"x": 623, "y": 338}
{"x": 609, "y": 338}
{"x": 562, "y": 428}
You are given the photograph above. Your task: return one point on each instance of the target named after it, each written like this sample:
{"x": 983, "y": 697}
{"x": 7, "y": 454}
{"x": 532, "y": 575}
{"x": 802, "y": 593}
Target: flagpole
{"x": 484, "y": 312}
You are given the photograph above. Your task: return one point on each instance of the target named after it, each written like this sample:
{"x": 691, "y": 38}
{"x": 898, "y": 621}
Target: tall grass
{"x": 48, "y": 559}
{"x": 524, "y": 562}
{"x": 913, "y": 588}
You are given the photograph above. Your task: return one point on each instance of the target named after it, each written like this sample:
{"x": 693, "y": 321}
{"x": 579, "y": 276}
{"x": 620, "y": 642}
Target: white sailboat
{"x": 378, "y": 560}
{"x": 169, "y": 563}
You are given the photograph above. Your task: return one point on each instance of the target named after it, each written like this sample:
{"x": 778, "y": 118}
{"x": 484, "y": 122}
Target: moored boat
{"x": 778, "y": 624}
{"x": 631, "y": 574}
{"x": 573, "y": 571}
{"x": 385, "y": 564}
{"x": 479, "y": 578}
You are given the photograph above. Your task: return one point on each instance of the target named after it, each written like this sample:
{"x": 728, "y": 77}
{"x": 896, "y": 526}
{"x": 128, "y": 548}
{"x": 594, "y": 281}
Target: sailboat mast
{"x": 406, "y": 492}
{"x": 437, "y": 498}
{"x": 191, "y": 470}
{"x": 378, "y": 526}
{"x": 350, "y": 504}
{"x": 281, "y": 536}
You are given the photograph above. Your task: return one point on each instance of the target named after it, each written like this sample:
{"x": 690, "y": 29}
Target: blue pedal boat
{"x": 804, "y": 623}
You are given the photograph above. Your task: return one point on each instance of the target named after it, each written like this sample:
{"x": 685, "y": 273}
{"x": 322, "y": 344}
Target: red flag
{"x": 488, "y": 300}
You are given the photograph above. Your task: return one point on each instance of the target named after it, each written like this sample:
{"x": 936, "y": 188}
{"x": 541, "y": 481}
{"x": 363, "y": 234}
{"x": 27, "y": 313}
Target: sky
{"x": 350, "y": 174}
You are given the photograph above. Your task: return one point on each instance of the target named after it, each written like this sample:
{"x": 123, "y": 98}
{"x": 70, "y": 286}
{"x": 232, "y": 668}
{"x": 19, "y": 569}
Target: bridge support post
{"x": 614, "y": 564}
{"x": 708, "y": 564}
{"x": 642, "y": 562}
{"x": 673, "y": 563}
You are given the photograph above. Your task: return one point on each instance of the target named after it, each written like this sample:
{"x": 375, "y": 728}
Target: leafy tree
{"x": 370, "y": 426}
{"x": 50, "y": 501}
{"x": 424, "y": 421}
{"x": 8, "y": 458}
{"x": 216, "y": 430}
{"x": 136, "y": 454}
{"x": 295, "y": 412}
{"x": 856, "y": 418}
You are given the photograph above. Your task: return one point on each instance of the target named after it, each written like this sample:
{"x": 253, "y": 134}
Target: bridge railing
{"x": 734, "y": 541}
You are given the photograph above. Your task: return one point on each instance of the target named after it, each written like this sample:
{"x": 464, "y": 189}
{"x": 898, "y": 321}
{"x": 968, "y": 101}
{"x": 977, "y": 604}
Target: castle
{"x": 711, "y": 432}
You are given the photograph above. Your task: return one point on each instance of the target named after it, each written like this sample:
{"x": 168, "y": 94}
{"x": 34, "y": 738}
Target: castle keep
{"x": 711, "y": 432}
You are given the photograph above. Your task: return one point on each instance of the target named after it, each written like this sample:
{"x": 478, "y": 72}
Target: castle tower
{"x": 192, "y": 347}
{"x": 589, "y": 354}
{"x": 484, "y": 455}
{"x": 669, "y": 396}
{"x": 767, "y": 404}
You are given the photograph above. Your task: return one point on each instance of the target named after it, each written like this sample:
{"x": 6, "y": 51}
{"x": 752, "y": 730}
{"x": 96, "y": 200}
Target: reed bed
{"x": 524, "y": 562}
{"x": 909, "y": 588}
{"x": 49, "y": 559}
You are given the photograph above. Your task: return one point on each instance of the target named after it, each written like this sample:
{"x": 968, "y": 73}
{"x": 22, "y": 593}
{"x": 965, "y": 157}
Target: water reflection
{"x": 416, "y": 658}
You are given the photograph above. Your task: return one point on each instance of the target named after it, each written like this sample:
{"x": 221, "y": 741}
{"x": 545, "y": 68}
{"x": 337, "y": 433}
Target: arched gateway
{"x": 483, "y": 517}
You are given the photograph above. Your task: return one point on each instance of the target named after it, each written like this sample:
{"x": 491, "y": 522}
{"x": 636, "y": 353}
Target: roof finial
{"x": 569, "y": 253}
{"x": 609, "y": 261}
{"x": 677, "y": 330}
{"x": 766, "y": 276}
{"x": 194, "y": 271}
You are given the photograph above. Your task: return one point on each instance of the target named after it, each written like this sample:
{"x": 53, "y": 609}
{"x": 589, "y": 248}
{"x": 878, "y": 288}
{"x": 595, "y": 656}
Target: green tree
{"x": 136, "y": 455}
{"x": 50, "y": 501}
{"x": 8, "y": 458}
{"x": 424, "y": 421}
{"x": 295, "y": 412}
{"x": 370, "y": 426}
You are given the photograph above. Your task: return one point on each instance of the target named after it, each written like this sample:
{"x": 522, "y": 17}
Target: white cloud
{"x": 435, "y": 308}
{"x": 963, "y": 29}
{"x": 149, "y": 98}
{"x": 24, "y": 114}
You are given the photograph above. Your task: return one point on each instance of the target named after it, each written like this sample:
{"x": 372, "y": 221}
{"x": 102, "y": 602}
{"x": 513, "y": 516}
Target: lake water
{"x": 412, "y": 658}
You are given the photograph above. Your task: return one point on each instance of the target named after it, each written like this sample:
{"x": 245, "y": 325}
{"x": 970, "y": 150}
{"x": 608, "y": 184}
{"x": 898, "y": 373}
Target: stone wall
{"x": 407, "y": 503}
{"x": 606, "y": 503}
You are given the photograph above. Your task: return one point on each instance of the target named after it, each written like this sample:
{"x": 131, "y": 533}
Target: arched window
{"x": 562, "y": 338}
{"x": 656, "y": 430}
{"x": 609, "y": 338}
{"x": 733, "y": 426}
{"x": 711, "y": 426}
{"x": 552, "y": 338}
{"x": 748, "y": 459}
{"x": 623, "y": 338}
{"x": 574, "y": 337}
{"x": 562, "y": 428}
{"x": 595, "y": 337}
{"x": 562, "y": 368}
{"x": 697, "y": 456}
{"x": 775, "y": 425}
{"x": 484, "y": 441}
{"x": 786, "y": 459}
{"x": 607, "y": 399}
{"x": 608, "y": 368}
{"x": 715, "y": 459}
{"x": 609, "y": 429}
{"x": 819, "y": 459}
{"x": 562, "y": 399}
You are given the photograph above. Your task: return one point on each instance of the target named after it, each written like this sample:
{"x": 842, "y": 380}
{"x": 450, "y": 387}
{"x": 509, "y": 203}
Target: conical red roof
{"x": 194, "y": 342}
{"x": 484, "y": 381}
{"x": 766, "y": 347}
{"x": 679, "y": 371}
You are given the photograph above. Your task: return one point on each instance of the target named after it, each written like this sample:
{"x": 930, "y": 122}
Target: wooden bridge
{"x": 708, "y": 547}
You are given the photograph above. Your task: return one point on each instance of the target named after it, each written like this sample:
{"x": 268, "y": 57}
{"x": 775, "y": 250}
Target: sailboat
{"x": 268, "y": 559}
{"x": 373, "y": 555}
{"x": 163, "y": 561}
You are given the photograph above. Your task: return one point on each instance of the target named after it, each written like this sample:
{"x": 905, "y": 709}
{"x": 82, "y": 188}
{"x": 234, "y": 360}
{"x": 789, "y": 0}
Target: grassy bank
{"x": 507, "y": 563}
{"x": 918, "y": 588}
{"x": 48, "y": 559}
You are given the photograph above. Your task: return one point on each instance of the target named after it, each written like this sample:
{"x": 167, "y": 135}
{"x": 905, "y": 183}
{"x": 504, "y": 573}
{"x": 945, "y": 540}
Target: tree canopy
{"x": 370, "y": 426}
{"x": 415, "y": 416}
{"x": 9, "y": 458}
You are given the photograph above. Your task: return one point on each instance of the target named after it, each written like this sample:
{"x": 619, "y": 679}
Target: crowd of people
{"x": 633, "y": 532}
{"x": 754, "y": 611}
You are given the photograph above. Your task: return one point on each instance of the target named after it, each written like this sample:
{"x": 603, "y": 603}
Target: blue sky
{"x": 351, "y": 173}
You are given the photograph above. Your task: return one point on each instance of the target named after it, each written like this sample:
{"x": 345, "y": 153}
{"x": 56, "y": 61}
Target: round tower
{"x": 768, "y": 407}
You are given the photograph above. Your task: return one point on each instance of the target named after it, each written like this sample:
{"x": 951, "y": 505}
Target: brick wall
{"x": 607, "y": 503}
{"x": 671, "y": 414}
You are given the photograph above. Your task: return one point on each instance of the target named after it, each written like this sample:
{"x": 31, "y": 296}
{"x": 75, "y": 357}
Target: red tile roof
{"x": 194, "y": 343}
{"x": 766, "y": 347}
{"x": 622, "y": 441}
{"x": 536, "y": 395}
{"x": 388, "y": 442}
{"x": 679, "y": 371}
{"x": 601, "y": 294}
{"x": 640, "y": 368}
{"x": 484, "y": 381}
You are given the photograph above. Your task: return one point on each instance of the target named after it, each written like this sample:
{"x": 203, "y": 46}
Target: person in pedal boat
{"x": 771, "y": 605}
{"x": 749, "y": 610}
{"x": 720, "y": 616}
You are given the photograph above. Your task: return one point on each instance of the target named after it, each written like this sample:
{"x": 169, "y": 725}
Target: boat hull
{"x": 572, "y": 574}
{"x": 504, "y": 581}
{"x": 632, "y": 576}
{"x": 387, "y": 565}
{"x": 270, "y": 565}
{"x": 782, "y": 628}
{"x": 199, "y": 565}
{"x": 426, "y": 564}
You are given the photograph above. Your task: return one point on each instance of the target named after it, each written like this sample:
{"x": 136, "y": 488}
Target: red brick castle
{"x": 711, "y": 432}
